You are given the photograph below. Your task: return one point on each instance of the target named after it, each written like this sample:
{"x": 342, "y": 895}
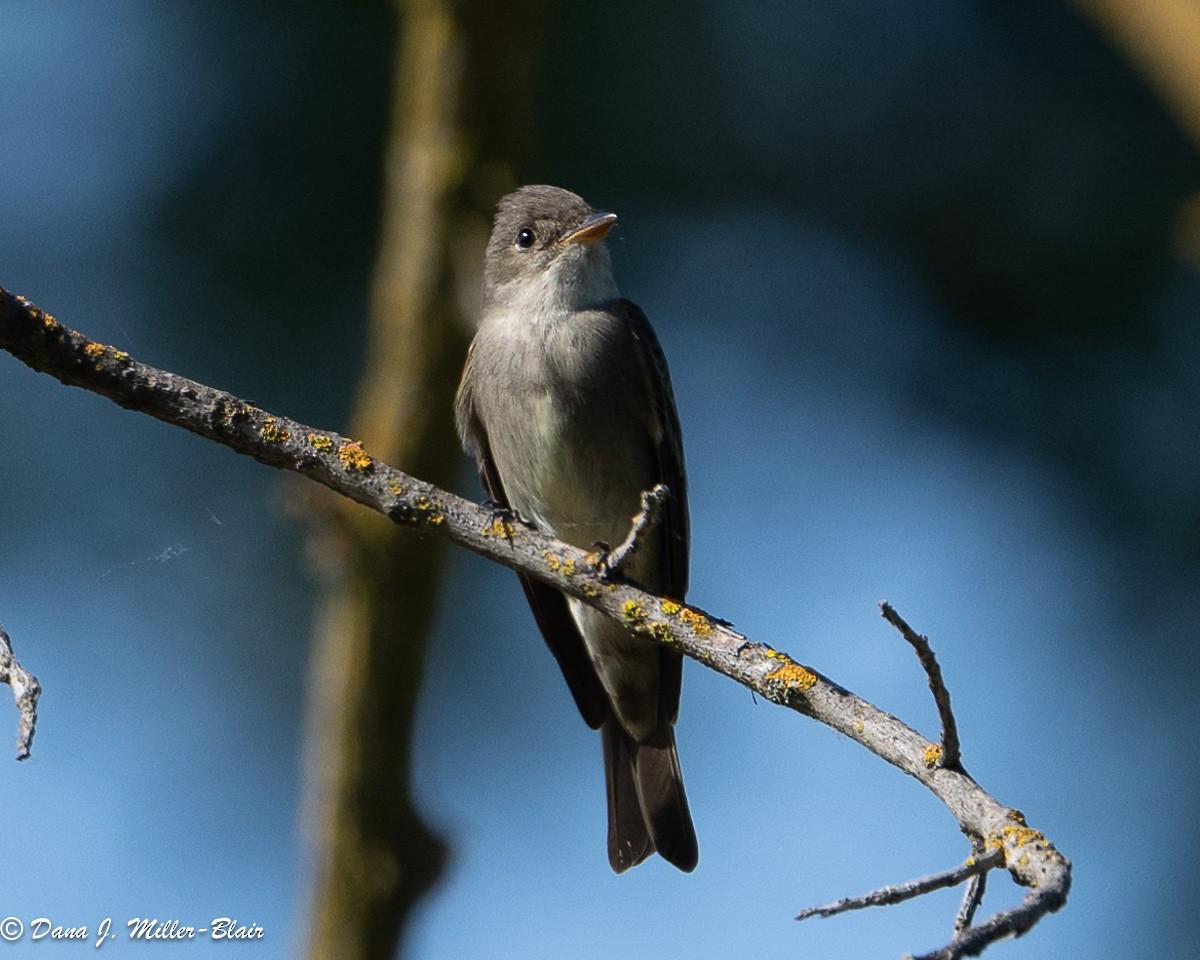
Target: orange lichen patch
{"x": 669, "y": 607}
{"x": 697, "y": 622}
{"x": 1016, "y": 816}
{"x": 1022, "y": 835}
{"x": 633, "y": 612}
{"x": 499, "y": 527}
{"x": 430, "y": 510}
{"x": 320, "y": 442}
{"x": 1013, "y": 837}
{"x": 229, "y": 412}
{"x": 273, "y": 432}
{"x": 565, "y": 565}
{"x": 792, "y": 676}
{"x": 593, "y": 559}
{"x": 353, "y": 457}
{"x": 48, "y": 323}
{"x": 93, "y": 349}
{"x": 933, "y": 755}
{"x": 395, "y": 486}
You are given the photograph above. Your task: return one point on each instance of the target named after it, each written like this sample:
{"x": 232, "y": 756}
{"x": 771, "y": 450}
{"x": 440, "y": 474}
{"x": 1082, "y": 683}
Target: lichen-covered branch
{"x": 25, "y": 689}
{"x": 343, "y": 465}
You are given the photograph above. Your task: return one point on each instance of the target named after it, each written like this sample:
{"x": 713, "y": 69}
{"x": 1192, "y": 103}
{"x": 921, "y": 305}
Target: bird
{"x": 566, "y": 405}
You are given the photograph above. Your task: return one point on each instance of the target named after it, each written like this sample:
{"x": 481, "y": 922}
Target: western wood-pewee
{"x": 566, "y": 404}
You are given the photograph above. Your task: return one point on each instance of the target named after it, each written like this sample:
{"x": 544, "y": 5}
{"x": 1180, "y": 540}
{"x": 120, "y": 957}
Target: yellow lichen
{"x": 669, "y": 607}
{"x": 431, "y": 510}
{"x": 93, "y": 349}
{"x": 792, "y": 676}
{"x": 395, "y": 486}
{"x": 353, "y": 457}
{"x": 633, "y": 611}
{"x": 1015, "y": 815}
{"x": 698, "y": 622}
{"x": 1022, "y": 835}
{"x": 499, "y": 527}
{"x": 556, "y": 563}
{"x": 121, "y": 356}
{"x": 320, "y": 441}
{"x": 233, "y": 411}
{"x": 272, "y": 432}
{"x": 933, "y": 755}
{"x": 590, "y": 589}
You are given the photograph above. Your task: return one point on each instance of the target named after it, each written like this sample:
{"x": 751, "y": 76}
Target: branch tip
{"x": 951, "y": 757}
{"x": 25, "y": 689}
{"x": 643, "y": 522}
{"x": 899, "y": 892}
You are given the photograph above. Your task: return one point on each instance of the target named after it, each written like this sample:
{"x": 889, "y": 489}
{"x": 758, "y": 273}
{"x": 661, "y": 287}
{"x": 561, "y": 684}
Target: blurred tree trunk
{"x": 459, "y": 129}
{"x": 1163, "y": 38}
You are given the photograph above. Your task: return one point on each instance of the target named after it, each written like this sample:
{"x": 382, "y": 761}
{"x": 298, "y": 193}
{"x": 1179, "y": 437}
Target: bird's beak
{"x": 593, "y": 229}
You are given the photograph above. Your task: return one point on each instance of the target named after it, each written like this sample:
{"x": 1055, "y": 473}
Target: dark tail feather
{"x": 664, "y": 803}
{"x": 647, "y": 806}
{"x": 629, "y": 842}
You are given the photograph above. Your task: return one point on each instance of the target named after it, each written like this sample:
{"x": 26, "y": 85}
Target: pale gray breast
{"x": 575, "y": 448}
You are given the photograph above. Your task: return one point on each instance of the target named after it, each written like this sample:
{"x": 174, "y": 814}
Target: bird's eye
{"x": 525, "y": 238}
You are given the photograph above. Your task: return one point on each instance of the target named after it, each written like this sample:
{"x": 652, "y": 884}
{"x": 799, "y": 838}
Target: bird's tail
{"x": 647, "y": 805}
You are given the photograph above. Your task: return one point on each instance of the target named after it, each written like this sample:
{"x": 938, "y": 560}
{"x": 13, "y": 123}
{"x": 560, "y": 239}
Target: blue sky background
{"x": 912, "y": 269}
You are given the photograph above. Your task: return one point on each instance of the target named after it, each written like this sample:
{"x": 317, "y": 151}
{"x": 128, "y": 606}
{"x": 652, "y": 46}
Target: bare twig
{"x": 26, "y": 690}
{"x": 972, "y": 898}
{"x": 644, "y": 521}
{"x": 344, "y": 466}
{"x": 951, "y": 754}
{"x": 899, "y": 892}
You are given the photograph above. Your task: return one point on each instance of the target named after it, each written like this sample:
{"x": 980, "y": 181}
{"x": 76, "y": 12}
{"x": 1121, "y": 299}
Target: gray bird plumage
{"x": 566, "y": 404}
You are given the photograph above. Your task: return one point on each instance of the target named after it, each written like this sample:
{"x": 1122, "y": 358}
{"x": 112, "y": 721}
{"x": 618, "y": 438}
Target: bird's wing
{"x": 549, "y": 607}
{"x": 674, "y": 531}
